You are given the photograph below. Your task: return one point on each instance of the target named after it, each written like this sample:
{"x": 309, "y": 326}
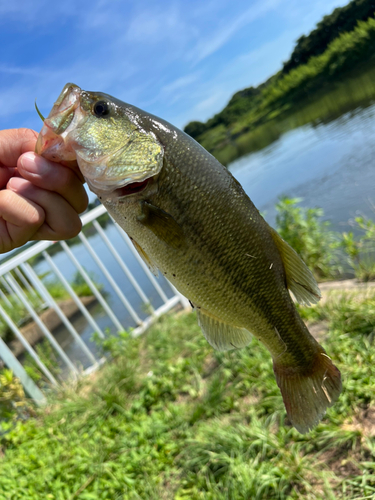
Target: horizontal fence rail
{"x": 58, "y": 299}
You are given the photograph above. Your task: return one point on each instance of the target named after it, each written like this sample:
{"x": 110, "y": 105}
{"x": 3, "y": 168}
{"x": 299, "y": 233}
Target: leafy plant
{"x": 360, "y": 250}
{"x": 48, "y": 356}
{"x": 19, "y": 314}
{"x": 78, "y": 283}
{"x": 12, "y": 396}
{"x": 342, "y": 19}
{"x": 310, "y": 237}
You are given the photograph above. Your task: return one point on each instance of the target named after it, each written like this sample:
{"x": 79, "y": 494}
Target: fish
{"x": 190, "y": 219}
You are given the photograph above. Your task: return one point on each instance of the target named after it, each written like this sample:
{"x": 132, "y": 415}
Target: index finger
{"x": 54, "y": 177}
{"x": 15, "y": 142}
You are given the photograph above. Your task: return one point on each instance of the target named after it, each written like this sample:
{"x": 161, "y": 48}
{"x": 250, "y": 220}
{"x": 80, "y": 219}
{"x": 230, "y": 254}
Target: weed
{"x": 360, "y": 249}
{"x": 48, "y": 357}
{"x": 310, "y": 237}
{"x": 13, "y": 401}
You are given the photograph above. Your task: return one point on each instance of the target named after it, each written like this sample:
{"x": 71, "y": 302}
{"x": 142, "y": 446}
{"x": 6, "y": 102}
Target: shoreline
{"x": 49, "y": 317}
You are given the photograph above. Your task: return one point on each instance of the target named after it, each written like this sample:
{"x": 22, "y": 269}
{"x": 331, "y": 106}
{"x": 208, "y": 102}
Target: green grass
{"x": 169, "y": 418}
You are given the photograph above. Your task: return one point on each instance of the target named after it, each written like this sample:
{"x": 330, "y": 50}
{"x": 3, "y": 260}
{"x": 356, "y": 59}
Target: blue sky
{"x": 181, "y": 60}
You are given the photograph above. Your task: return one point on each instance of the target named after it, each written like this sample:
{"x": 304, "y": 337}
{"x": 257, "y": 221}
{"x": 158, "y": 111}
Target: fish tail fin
{"x": 308, "y": 392}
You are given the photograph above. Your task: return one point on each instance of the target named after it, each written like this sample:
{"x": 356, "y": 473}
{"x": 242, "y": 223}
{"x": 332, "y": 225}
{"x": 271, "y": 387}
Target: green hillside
{"x": 323, "y": 63}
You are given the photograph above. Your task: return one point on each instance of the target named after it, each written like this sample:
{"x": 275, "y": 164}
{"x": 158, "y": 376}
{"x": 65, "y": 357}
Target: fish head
{"x": 102, "y": 136}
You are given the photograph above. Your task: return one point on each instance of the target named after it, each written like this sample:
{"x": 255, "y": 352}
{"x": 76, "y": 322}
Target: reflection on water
{"x": 329, "y": 162}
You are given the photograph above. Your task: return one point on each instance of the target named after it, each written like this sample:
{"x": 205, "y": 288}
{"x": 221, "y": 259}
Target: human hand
{"x": 39, "y": 199}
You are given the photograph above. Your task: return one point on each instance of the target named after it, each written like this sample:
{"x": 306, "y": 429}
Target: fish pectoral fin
{"x": 221, "y": 335}
{"x": 146, "y": 258}
{"x": 162, "y": 225}
{"x": 300, "y": 280}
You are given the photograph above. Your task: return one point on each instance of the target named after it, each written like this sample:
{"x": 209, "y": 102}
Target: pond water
{"x": 331, "y": 166}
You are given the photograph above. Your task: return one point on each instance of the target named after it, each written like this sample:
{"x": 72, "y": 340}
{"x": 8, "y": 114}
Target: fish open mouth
{"x": 121, "y": 192}
{"x": 132, "y": 188}
{"x": 74, "y": 134}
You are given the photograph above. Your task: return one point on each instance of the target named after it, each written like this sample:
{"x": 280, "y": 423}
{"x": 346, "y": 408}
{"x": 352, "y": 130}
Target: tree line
{"x": 333, "y": 26}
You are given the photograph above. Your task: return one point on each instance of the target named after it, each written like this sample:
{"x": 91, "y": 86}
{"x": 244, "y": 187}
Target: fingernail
{"x": 15, "y": 183}
{"x": 34, "y": 164}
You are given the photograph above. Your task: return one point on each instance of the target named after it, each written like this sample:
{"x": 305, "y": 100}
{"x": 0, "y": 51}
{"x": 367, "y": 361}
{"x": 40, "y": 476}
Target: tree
{"x": 195, "y": 129}
{"x": 330, "y": 27}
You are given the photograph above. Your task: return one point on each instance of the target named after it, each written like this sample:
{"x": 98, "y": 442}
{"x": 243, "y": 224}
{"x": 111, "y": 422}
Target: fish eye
{"x": 101, "y": 108}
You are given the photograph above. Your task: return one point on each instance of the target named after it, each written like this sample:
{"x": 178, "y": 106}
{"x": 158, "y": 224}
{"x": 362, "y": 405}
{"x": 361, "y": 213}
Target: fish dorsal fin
{"x": 300, "y": 280}
{"x": 220, "y": 335}
{"x": 162, "y": 225}
{"x": 146, "y": 258}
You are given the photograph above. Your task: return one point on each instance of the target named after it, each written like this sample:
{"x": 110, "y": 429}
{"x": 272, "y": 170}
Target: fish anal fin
{"x": 162, "y": 225}
{"x": 299, "y": 278}
{"x": 221, "y": 335}
{"x": 307, "y": 393}
{"x": 146, "y": 258}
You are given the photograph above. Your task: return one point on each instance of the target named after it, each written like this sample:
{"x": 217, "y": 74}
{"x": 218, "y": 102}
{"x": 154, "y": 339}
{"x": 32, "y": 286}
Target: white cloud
{"x": 180, "y": 83}
{"x": 155, "y": 25}
{"x": 144, "y": 52}
{"x": 212, "y": 43}
{"x": 212, "y": 101}
{"x": 245, "y": 70}
{"x": 21, "y": 70}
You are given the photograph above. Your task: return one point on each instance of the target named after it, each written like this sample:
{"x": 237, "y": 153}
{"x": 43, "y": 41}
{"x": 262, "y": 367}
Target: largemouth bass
{"x": 189, "y": 218}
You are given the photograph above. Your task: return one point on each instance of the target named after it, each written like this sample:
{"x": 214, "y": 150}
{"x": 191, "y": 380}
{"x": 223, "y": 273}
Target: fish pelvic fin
{"x": 308, "y": 392}
{"x": 299, "y": 279}
{"x": 221, "y": 335}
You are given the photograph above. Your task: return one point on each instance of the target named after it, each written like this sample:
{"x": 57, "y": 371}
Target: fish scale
{"x": 190, "y": 218}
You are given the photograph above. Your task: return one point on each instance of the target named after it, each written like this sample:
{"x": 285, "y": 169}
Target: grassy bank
{"x": 332, "y": 100}
{"x": 169, "y": 418}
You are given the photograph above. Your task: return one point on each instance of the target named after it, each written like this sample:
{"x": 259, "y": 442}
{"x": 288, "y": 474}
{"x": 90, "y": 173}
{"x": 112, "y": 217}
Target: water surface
{"x": 329, "y": 165}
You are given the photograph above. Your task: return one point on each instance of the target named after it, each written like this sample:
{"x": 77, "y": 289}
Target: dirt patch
{"x": 209, "y": 366}
{"x": 339, "y": 288}
{"x": 319, "y": 330}
{"x": 345, "y": 285}
{"x": 342, "y": 462}
{"x": 247, "y": 401}
{"x": 345, "y": 461}
{"x": 364, "y": 423}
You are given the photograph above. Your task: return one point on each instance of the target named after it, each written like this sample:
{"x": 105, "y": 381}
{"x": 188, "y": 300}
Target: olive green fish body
{"x": 228, "y": 264}
{"x": 189, "y": 218}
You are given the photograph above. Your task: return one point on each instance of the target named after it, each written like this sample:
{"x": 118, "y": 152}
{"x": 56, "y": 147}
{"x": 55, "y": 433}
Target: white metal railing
{"x": 121, "y": 306}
